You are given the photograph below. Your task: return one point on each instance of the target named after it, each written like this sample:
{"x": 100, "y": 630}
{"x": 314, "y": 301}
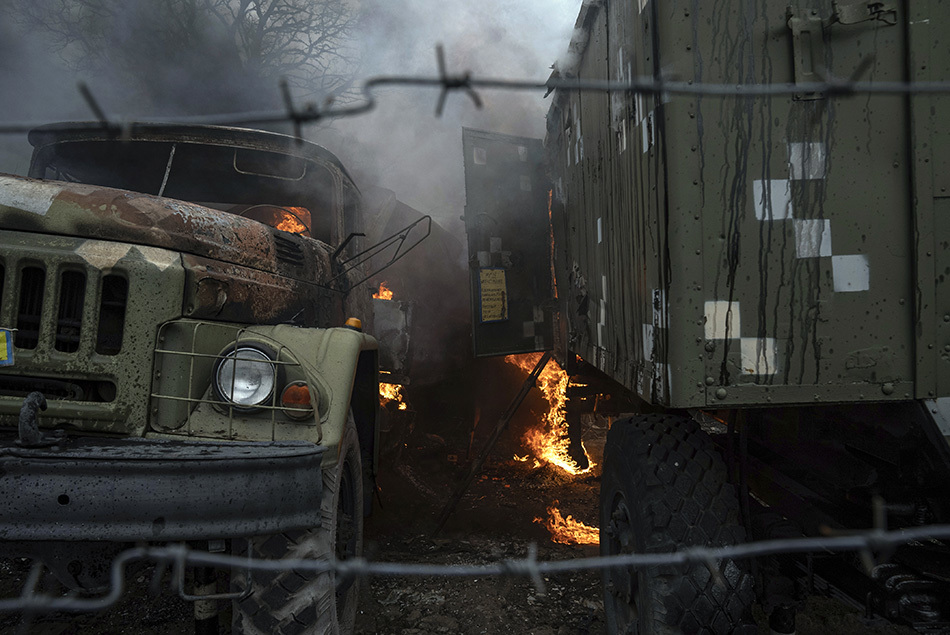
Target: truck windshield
{"x": 287, "y": 192}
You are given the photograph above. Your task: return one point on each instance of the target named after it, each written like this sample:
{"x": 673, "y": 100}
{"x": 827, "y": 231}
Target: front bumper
{"x": 93, "y": 489}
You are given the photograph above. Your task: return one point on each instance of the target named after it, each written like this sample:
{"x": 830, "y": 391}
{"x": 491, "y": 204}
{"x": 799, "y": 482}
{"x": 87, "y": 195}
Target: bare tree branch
{"x": 310, "y": 42}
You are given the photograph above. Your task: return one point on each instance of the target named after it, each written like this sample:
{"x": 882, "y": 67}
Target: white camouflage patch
{"x": 812, "y": 238}
{"x": 29, "y": 196}
{"x": 758, "y": 356}
{"x": 102, "y": 255}
{"x": 160, "y": 258}
{"x": 851, "y": 273}
{"x": 721, "y": 323}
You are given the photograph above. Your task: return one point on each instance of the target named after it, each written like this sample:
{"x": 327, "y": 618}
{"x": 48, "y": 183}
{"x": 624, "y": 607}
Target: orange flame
{"x": 292, "y": 221}
{"x": 384, "y": 292}
{"x": 549, "y": 440}
{"x": 524, "y": 459}
{"x": 392, "y": 392}
{"x": 567, "y": 531}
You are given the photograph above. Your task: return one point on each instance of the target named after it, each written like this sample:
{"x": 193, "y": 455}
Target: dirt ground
{"x": 497, "y": 520}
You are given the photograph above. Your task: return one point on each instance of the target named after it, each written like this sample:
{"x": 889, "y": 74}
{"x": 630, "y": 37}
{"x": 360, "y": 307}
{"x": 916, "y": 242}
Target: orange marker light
{"x": 297, "y": 396}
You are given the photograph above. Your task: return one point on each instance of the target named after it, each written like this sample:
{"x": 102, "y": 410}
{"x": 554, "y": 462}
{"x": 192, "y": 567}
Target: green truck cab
{"x": 183, "y": 359}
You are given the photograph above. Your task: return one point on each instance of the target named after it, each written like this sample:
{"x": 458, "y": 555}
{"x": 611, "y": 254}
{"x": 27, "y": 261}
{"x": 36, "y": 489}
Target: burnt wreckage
{"x": 762, "y": 278}
{"x": 182, "y": 358}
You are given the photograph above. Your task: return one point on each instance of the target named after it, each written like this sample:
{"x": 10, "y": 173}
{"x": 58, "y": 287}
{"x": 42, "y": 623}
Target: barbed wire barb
{"x": 310, "y": 115}
{"x": 527, "y": 568}
{"x": 716, "y": 574}
{"x": 93, "y": 104}
{"x": 463, "y": 82}
{"x": 155, "y": 584}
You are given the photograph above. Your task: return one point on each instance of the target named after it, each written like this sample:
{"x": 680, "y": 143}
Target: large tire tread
{"x": 677, "y": 489}
{"x": 293, "y": 602}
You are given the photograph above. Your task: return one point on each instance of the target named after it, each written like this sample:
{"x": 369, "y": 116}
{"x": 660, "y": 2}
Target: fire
{"x": 384, "y": 292}
{"x": 567, "y": 531}
{"x": 525, "y": 458}
{"x": 293, "y": 221}
{"x": 549, "y": 441}
{"x": 392, "y": 392}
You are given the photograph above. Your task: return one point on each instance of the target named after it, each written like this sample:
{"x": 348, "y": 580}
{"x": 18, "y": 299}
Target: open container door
{"x": 509, "y": 241}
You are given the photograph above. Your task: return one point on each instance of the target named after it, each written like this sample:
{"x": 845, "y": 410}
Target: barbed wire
{"x": 871, "y": 545}
{"x": 829, "y": 87}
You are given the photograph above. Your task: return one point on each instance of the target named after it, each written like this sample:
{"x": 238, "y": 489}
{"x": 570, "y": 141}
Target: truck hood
{"x": 102, "y": 213}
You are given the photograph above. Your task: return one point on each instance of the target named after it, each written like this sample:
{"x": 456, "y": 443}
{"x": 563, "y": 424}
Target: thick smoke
{"x": 402, "y": 145}
{"x": 34, "y": 86}
{"x": 136, "y": 70}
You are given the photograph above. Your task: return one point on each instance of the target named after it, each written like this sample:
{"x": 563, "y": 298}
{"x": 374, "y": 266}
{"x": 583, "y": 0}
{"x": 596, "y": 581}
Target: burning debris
{"x": 293, "y": 220}
{"x": 392, "y": 393}
{"x": 549, "y": 439}
{"x": 526, "y": 458}
{"x": 384, "y": 293}
{"x": 567, "y": 531}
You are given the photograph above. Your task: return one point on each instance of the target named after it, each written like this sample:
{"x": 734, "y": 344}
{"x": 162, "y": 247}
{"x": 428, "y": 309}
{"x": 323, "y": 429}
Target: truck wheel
{"x": 664, "y": 488}
{"x": 296, "y": 601}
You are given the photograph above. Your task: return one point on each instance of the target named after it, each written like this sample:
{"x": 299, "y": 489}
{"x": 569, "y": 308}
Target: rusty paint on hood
{"x": 102, "y": 213}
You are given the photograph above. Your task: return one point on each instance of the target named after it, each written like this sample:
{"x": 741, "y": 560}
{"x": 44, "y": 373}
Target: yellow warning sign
{"x": 6, "y": 347}
{"x": 494, "y": 294}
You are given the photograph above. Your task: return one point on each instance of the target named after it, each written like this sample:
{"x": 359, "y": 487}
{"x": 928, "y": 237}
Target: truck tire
{"x": 296, "y": 601}
{"x": 664, "y": 488}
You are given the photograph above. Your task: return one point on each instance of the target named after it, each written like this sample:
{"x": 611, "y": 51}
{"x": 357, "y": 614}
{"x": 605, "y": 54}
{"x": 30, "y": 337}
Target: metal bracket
{"x": 855, "y": 12}
{"x": 808, "y": 50}
{"x": 346, "y": 242}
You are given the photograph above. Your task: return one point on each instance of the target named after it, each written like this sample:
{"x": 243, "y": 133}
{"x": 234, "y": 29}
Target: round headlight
{"x": 245, "y": 376}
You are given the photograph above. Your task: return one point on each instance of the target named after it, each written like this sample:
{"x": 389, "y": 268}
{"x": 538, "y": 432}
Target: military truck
{"x": 766, "y": 278}
{"x": 185, "y": 358}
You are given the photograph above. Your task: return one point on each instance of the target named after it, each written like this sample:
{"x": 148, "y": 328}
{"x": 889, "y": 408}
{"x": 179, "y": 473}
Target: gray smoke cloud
{"x": 401, "y": 145}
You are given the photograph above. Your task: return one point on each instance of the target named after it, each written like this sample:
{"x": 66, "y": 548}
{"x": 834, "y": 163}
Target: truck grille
{"x": 72, "y": 293}
{"x": 112, "y": 303}
{"x": 30, "y": 313}
{"x": 87, "y": 313}
{"x": 78, "y": 298}
{"x": 71, "y": 388}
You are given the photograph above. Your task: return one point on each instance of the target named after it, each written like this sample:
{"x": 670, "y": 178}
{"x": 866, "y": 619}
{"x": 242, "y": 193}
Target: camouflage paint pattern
{"x": 182, "y": 260}
{"x": 751, "y": 251}
{"x": 156, "y": 279}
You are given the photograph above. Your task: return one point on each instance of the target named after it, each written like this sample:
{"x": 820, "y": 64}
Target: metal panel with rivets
{"x": 754, "y": 250}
